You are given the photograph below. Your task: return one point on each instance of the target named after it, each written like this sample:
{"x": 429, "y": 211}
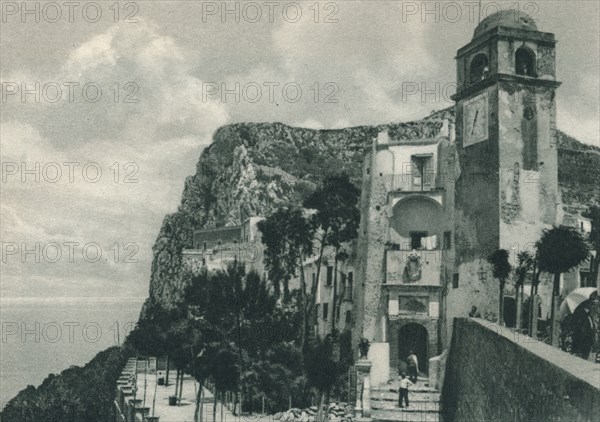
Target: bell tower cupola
{"x": 506, "y": 45}
{"x": 507, "y": 190}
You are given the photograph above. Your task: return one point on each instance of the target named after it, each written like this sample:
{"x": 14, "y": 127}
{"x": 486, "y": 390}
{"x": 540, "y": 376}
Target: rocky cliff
{"x": 254, "y": 168}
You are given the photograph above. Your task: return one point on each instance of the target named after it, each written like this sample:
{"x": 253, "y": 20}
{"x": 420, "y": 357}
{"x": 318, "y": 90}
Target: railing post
{"x": 363, "y": 388}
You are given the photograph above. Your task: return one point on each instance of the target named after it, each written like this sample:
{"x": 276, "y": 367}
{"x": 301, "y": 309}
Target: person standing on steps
{"x": 413, "y": 366}
{"x": 403, "y": 390}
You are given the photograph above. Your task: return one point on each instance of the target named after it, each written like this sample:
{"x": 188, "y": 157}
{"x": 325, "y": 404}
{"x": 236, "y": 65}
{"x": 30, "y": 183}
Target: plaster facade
{"x": 433, "y": 209}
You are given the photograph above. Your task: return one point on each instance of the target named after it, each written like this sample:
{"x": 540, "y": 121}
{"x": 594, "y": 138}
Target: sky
{"x": 106, "y": 109}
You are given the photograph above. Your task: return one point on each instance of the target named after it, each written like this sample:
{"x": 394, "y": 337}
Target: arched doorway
{"x": 413, "y": 337}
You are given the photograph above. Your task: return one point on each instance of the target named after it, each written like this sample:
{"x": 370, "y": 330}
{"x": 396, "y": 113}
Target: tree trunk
{"x": 223, "y": 401}
{"x": 501, "y": 305}
{"x": 197, "y": 411}
{"x": 334, "y": 301}
{"x": 555, "y": 329}
{"x": 177, "y": 383}
{"x": 519, "y": 307}
{"x": 534, "y": 314}
{"x": 313, "y": 289}
{"x": 167, "y": 377}
{"x": 180, "y": 388}
{"x": 596, "y": 311}
{"x": 326, "y": 407}
{"x": 595, "y": 315}
{"x": 320, "y": 417}
{"x": 215, "y": 404}
{"x": 303, "y": 306}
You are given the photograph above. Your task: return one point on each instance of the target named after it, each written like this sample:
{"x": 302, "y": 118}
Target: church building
{"x": 435, "y": 205}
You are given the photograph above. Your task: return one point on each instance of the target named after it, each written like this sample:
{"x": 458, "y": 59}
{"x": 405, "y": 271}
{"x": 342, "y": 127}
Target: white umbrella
{"x": 574, "y": 299}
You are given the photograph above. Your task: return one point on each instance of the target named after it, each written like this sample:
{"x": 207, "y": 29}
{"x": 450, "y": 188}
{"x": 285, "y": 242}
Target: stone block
{"x": 379, "y": 355}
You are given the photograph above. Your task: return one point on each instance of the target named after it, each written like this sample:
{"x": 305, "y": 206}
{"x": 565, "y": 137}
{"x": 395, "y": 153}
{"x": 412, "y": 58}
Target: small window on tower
{"x": 348, "y": 317}
{"x": 525, "y": 62}
{"x": 350, "y": 285}
{"x": 447, "y": 240}
{"x": 329, "y": 276}
{"x": 479, "y": 68}
{"x": 325, "y": 310}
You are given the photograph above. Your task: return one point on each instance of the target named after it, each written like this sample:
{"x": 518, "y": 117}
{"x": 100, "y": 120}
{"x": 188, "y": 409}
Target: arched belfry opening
{"x": 479, "y": 68}
{"x": 525, "y": 62}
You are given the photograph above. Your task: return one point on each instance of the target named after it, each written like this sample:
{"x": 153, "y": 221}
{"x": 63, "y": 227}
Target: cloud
{"x": 141, "y": 153}
{"x": 350, "y": 72}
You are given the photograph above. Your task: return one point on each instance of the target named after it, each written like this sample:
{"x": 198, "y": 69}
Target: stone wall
{"x": 493, "y": 374}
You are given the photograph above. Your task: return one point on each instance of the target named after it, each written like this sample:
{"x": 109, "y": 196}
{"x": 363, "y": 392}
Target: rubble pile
{"x": 338, "y": 412}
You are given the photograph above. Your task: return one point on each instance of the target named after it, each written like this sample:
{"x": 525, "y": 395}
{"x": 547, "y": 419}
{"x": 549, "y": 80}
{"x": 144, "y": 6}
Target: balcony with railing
{"x": 410, "y": 182}
{"x": 219, "y": 256}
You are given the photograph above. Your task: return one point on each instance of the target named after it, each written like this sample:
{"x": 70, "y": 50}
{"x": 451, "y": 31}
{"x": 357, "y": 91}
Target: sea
{"x": 40, "y": 336}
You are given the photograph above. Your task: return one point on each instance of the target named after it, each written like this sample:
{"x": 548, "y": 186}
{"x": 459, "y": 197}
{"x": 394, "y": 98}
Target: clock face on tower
{"x": 475, "y": 120}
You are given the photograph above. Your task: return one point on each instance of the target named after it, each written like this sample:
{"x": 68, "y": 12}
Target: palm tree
{"x": 533, "y": 302}
{"x": 560, "y": 249}
{"x": 524, "y": 265}
{"x": 501, "y": 269}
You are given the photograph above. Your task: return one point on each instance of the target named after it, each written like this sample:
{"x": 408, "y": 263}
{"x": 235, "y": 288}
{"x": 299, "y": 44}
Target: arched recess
{"x": 525, "y": 63}
{"x": 417, "y": 219}
{"x": 479, "y": 68}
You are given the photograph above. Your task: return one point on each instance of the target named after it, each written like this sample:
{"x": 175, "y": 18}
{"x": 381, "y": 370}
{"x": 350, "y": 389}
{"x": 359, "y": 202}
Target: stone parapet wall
{"x": 493, "y": 374}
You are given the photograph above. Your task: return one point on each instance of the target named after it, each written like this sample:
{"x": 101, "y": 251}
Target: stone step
{"x": 415, "y": 407}
{"x": 420, "y": 381}
{"x": 413, "y": 396}
{"x": 419, "y": 388}
{"x": 404, "y": 415}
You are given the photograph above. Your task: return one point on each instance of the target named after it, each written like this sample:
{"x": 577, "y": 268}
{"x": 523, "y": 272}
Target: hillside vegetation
{"x": 253, "y": 169}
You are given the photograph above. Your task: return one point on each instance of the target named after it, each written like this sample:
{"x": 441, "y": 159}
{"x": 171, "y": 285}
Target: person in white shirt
{"x": 413, "y": 366}
{"x": 403, "y": 390}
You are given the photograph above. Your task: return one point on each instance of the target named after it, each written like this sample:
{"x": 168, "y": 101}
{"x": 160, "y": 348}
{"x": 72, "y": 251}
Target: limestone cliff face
{"x": 254, "y": 168}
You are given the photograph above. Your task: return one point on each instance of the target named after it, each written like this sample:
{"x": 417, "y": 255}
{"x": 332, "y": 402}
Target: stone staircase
{"x": 424, "y": 403}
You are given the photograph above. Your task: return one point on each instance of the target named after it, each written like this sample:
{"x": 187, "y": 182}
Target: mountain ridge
{"x": 230, "y": 182}
{"x": 253, "y": 169}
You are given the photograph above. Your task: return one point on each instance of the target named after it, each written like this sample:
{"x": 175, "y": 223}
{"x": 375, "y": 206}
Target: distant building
{"x": 216, "y": 248}
{"x": 329, "y": 286}
{"x": 581, "y": 276}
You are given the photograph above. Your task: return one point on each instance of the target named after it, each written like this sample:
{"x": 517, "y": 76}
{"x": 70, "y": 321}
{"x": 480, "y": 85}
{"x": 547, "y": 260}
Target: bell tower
{"x": 507, "y": 190}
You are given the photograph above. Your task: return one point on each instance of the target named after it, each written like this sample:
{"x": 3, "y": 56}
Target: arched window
{"x": 479, "y": 68}
{"x": 525, "y": 62}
